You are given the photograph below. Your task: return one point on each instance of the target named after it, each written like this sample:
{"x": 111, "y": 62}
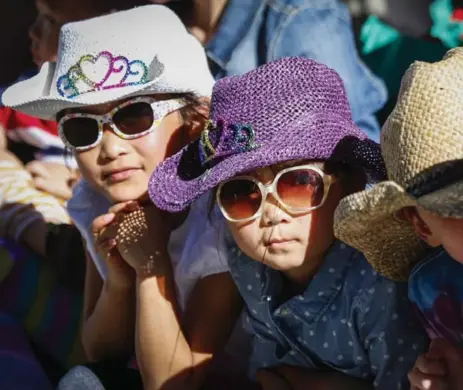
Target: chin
{"x": 118, "y": 195}
{"x": 283, "y": 262}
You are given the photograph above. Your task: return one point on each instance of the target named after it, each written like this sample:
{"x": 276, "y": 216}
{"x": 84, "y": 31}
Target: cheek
{"x": 150, "y": 149}
{"x": 451, "y": 234}
{"x": 247, "y": 236}
{"x": 162, "y": 143}
{"x": 88, "y": 166}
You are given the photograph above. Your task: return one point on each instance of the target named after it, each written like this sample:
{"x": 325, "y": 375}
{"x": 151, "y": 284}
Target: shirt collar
{"x": 327, "y": 282}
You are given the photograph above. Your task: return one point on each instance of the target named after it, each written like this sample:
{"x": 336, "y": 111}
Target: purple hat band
{"x": 290, "y": 109}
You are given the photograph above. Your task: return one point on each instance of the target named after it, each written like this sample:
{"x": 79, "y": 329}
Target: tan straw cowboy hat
{"x": 422, "y": 145}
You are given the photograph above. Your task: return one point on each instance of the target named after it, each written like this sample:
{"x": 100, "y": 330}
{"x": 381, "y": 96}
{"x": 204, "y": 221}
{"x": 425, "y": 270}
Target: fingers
{"x": 430, "y": 366}
{"x": 128, "y": 206}
{"x": 442, "y": 349}
{"x": 428, "y": 374}
{"x": 106, "y": 246}
{"x": 420, "y": 381}
{"x": 58, "y": 189}
{"x": 102, "y": 222}
{"x": 36, "y": 168}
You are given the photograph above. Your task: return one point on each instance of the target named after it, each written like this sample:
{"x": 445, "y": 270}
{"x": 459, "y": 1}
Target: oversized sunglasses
{"x": 131, "y": 119}
{"x": 298, "y": 189}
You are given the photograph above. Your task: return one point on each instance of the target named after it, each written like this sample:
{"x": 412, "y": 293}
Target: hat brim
{"x": 446, "y": 202}
{"x": 27, "y": 96}
{"x": 181, "y": 179}
{"x": 367, "y": 221}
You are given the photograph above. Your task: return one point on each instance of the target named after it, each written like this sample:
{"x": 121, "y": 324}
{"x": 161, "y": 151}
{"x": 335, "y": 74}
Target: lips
{"x": 279, "y": 241}
{"x": 121, "y": 174}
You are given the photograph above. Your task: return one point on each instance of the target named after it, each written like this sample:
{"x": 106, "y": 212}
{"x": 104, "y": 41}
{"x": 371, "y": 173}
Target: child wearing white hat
{"x": 128, "y": 90}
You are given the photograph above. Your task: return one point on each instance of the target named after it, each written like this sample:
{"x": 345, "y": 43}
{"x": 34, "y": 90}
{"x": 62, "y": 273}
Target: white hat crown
{"x": 145, "y": 50}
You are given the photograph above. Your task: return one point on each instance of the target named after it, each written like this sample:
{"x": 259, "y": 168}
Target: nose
{"x": 112, "y": 146}
{"x": 273, "y": 213}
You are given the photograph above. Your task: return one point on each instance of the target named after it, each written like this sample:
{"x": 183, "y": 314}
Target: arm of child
{"x": 109, "y": 308}
{"x": 53, "y": 178}
{"x": 175, "y": 357}
{"x": 391, "y": 334}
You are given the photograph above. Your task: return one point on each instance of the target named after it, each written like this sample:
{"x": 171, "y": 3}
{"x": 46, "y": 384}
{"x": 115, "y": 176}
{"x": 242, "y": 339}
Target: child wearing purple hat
{"x": 280, "y": 150}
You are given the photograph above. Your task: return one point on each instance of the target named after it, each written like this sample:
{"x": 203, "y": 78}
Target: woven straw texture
{"x": 289, "y": 109}
{"x": 422, "y": 134}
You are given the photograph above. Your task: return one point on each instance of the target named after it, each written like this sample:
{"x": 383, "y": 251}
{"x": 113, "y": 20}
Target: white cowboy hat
{"x": 145, "y": 50}
{"x": 422, "y": 146}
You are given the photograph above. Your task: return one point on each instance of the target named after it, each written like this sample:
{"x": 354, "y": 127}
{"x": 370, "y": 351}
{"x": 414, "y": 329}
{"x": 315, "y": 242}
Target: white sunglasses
{"x": 299, "y": 189}
{"x": 132, "y": 119}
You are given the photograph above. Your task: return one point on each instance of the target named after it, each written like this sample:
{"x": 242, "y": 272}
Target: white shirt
{"x": 197, "y": 248}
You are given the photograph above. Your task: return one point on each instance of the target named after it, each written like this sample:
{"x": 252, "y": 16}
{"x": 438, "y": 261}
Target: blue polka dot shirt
{"x": 349, "y": 319}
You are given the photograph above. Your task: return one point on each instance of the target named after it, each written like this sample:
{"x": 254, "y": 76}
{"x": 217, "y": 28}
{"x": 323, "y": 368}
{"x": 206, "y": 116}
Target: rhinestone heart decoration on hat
{"x": 103, "y": 71}
{"x": 220, "y": 139}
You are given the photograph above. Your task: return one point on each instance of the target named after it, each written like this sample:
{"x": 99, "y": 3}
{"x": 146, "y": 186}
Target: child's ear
{"x": 423, "y": 231}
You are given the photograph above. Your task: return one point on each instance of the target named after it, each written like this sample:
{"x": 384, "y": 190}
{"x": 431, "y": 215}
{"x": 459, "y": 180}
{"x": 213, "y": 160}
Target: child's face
{"x": 286, "y": 241}
{"x": 438, "y": 231}
{"x": 120, "y": 168}
{"x": 52, "y": 14}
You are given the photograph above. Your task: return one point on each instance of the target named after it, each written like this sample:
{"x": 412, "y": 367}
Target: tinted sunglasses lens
{"x": 240, "y": 198}
{"x": 134, "y": 118}
{"x": 301, "y": 188}
{"x": 80, "y": 132}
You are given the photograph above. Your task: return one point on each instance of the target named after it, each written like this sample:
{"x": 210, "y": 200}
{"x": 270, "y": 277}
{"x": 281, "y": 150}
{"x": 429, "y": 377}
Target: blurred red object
{"x": 457, "y": 15}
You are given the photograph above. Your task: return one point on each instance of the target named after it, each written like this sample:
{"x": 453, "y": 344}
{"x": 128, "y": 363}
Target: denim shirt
{"x": 252, "y": 33}
{"x": 436, "y": 291}
{"x": 349, "y": 319}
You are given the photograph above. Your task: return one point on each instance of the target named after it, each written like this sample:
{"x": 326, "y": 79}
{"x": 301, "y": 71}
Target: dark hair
{"x": 352, "y": 177}
{"x": 100, "y": 7}
{"x": 183, "y": 9}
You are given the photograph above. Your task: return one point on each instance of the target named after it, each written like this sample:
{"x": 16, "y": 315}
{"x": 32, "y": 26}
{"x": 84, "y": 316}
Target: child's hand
{"x": 120, "y": 274}
{"x": 428, "y": 374}
{"x": 142, "y": 238}
{"x": 439, "y": 369}
{"x": 52, "y": 178}
{"x": 452, "y": 356}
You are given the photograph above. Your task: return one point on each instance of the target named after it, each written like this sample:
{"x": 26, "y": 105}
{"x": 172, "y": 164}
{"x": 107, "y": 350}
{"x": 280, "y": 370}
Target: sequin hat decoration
{"x": 104, "y": 71}
{"x": 219, "y": 140}
{"x": 115, "y": 57}
{"x": 289, "y": 109}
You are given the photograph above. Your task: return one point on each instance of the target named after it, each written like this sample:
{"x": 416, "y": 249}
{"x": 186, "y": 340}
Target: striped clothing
{"x": 21, "y": 204}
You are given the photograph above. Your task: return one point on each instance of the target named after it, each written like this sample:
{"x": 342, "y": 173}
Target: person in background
{"x": 411, "y": 227}
{"x": 240, "y": 35}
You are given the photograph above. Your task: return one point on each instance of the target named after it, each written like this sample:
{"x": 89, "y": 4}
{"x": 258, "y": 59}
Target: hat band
{"x": 436, "y": 178}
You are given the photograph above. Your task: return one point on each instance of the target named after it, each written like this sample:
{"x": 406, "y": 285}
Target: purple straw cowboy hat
{"x": 289, "y": 109}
